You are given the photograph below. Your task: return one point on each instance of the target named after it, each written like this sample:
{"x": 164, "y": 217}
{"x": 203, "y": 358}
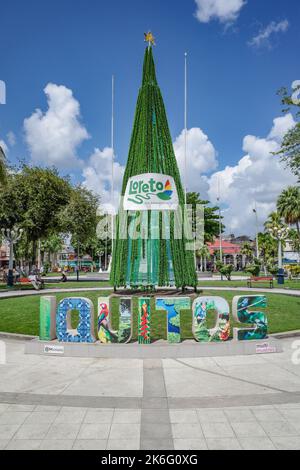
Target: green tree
{"x": 204, "y": 255}
{"x": 52, "y": 245}
{"x": 32, "y": 199}
{"x": 225, "y": 269}
{"x": 79, "y": 217}
{"x": 211, "y": 217}
{"x": 3, "y": 173}
{"x": 247, "y": 250}
{"x": 268, "y": 247}
{"x": 294, "y": 240}
{"x": 288, "y": 206}
{"x": 274, "y": 220}
{"x": 290, "y": 146}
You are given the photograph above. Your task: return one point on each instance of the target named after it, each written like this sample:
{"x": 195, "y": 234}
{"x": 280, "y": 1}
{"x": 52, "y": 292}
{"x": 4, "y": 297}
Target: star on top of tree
{"x": 149, "y": 38}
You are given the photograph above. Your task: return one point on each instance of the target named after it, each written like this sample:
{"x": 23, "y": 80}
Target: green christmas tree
{"x": 148, "y": 259}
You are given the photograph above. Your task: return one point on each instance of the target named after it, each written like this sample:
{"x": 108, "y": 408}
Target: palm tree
{"x": 247, "y": 250}
{"x": 288, "y": 206}
{"x": 53, "y": 245}
{"x": 2, "y": 166}
{"x": 278, "y": 230}
{"x": 273, "y": 220}
{"x": 204, "y": 255}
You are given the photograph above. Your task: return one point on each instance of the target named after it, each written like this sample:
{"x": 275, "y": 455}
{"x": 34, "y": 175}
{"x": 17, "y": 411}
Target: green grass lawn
{"x": 235, "y": 283}
{"x": 294, "y": 285}
{"x": 60, "y": 285}
{"x": 21, "y": 315}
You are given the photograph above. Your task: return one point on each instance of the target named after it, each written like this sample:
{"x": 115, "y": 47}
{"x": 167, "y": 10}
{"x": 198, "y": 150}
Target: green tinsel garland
{"x": 151, "y": 151}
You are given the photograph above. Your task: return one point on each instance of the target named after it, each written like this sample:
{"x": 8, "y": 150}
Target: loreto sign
{"x": 150, "y": 191}
{"x": 55, "y": 319}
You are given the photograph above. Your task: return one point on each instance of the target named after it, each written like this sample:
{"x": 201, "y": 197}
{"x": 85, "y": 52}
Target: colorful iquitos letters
{"x": 55, "y": 321}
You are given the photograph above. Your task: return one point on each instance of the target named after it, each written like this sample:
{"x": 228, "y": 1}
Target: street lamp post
{"x": 256, "y": 220}
{"x": 280, "y": 234}
{"x": 11, "y": 236}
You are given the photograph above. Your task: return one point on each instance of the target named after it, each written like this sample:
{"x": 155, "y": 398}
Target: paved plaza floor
{"x": 238, "y": 402}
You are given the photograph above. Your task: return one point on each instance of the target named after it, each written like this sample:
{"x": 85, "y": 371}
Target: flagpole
{"x": 185, "y": 126}
{"x": 220, "y": 223}
{"x": 113, "y": 159}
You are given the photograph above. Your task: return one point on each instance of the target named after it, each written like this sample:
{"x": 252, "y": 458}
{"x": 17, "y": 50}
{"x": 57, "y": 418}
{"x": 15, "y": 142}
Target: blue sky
{"x": 79, "y": 44}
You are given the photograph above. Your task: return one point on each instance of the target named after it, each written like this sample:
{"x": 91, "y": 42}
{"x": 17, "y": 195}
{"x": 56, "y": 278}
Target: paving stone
{"x": 223, "y": 444}
{"x": 59, "y": 431}
{"x": 127, "y": 416}
{"x": 279, "y": 429}
{"x": 248, "y": 429}
{"x": 159, "y": 431}
{"x": 18, "y": 407}
{"x": 256, "y": 443}
{"x": 211, "y": 416}
{"x": 157, "y": 444}
{"x": 239, "y": 415}
{"x": 291, "y": 414}
{"x": 58, "y": 444}
{"x": 288, "y": 406}
{"x": 3, "y": 407}
{"x": 154, "y": 403}
{"x": 190, "y": 444}
{"x": 295, "y": 424}
{"x": 186, "y": 431}
{"x": 23, "y": 444}
{"x": 123, "y": 444}
{"x": 124, "y": 431}
{"x": 103, "y": 416}
{"x": 32, "y": 431}
{"x": 3, "y": 443}
{"x": 268, "y": 415}
{"x": 184, "y": 416}
{"x": 42, "y": 417}
{"x": 217, "y": 430}
{"x": 287, "y": 443}
{"x": 7, "y": 431}
{"x": 47, "y": 408}
{"x": 73, "y": 416}
{"x": 98, "y": 431}
{"x": 155, "y": 416}
{"x": 85, "y": 444}
{"x": 13, "y": 417}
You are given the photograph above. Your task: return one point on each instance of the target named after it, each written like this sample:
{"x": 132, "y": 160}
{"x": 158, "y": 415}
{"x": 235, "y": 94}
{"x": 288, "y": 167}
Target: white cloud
{"x": 11, "y": 138}
{"x": 97, "y": 177}
{"x": 258, "y": 176}
{"x": 264, "y": 35}
{"x": 54, "y": 136}
{"x": 281, "y": 126}
{"x": 201, "y": 158}
{"x": 226, "y": 11}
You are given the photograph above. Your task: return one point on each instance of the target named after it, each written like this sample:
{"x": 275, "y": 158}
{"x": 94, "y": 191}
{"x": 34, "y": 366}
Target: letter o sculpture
{"x": 85, "y": 329}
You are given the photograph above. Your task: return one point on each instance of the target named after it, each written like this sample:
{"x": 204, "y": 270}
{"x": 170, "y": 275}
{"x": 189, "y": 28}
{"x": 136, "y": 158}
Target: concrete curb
{"x": 286, "y": 334}
{"x": 12, "y": 295}
{"x": 17, "y": 336}
{"x": 159, "y": 350}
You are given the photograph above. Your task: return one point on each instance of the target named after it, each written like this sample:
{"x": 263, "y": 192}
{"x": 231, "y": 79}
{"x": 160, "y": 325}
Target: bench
{"x": 25, "y": 281}
{"x": 260, "y": 279}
